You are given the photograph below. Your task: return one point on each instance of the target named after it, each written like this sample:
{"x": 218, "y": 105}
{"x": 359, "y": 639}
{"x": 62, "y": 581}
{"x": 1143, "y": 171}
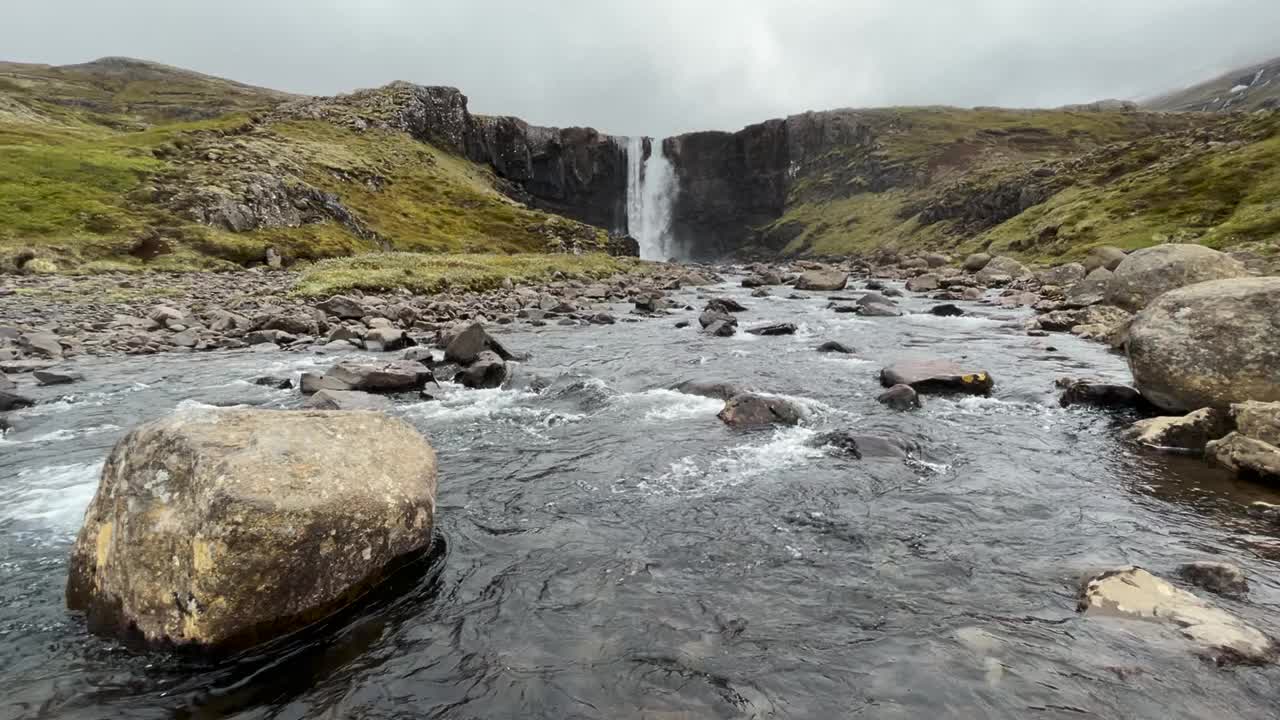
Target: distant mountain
{"x": 1256, "y": 87}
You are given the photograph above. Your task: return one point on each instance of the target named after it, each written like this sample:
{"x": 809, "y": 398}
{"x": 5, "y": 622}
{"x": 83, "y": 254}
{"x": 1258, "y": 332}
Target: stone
{"x": 709, "y": 316}
{"x": 466, "y": 346}
{"x": 900, "y": 397}
{"x": 55, "y": 376}
{"x": 936, "y": 260}
{"x": 1089, "y": 291}
{"x": 831, "y": 346}
{"x": 724, "y": 305}
{"x": 277, "y": 383}
{"x": 347, "y": 400}
{"x": 341, "y": 306}
{"x": 864, "y": 446}
{"x": 877, "y": 305}
{"x": 946, "y": 310}
{"x": 976, "y": 262}
{"x": 1000, "y": 267}
{"x": 822, "y": 280}
{"x": 651, "y": 303}
{"x": 217, "y": 530}
{"x": 755, "y": 409}
{"x": 385, "y": 339}
{"x": 762, "y": 279}
{"x": 187, "y": 338}
{"x": 1208, "y": 345}
{"x": 6, "y": 383}
{"x": 1062, "y": 275}
{"x": 163, "y": 315}
{"x": 1148, "y": 273}
{"x": 708, "y": 389}
{"x": 42, "y": 344}
{"x": 1099, "y": 394}
{"x": 721, "y": 328}
{"x": 392, "y": 376}
{"x": 1104, "y": 257}
{"x": 487, "y": 371}
{"x": 13, "y": 401}
{"x": 1131, "y": 592}
{"x": 1246, "y": 455}
{"x": 971, "y": 294}
{"x": 290, "y": 322}
{"x": 1219, "y": 578}
{"x": 1258, "y": 420}
{"x": 774, "y": 329}
{"x": 923, "y": 283}
{"x": 937, "y": 376}
{"x": 602, "y": 318}
{"x": 1182, "y": 433}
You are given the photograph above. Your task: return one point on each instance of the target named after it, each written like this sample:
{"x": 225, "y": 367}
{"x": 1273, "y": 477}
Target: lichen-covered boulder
{"x": 1148, "y": 273}
{"x": 1000, "y": 267}
{"x": 1182, "y": 433}
{"x": 214, "y": 530}
{"x": 1209, "y": 345}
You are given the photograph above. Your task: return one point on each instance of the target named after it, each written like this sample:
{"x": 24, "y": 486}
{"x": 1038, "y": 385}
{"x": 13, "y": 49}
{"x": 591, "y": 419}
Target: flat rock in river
{"x": 938, "y": 376}
{"x": 393, "y": 376}
{"x": 822, "y": 280}
{"x": 1131, "y": 592}
{"x": 347, "y": 400}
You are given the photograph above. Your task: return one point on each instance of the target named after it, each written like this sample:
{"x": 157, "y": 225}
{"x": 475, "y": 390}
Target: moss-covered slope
{"x": 100, "y": 168}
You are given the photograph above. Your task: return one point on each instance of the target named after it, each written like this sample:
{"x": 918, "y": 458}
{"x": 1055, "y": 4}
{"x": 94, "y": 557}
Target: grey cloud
{"x": 664, "y": 66}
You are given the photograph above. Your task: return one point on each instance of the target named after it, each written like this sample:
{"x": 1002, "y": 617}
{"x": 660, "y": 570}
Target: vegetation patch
{"x": 432, "y": 273}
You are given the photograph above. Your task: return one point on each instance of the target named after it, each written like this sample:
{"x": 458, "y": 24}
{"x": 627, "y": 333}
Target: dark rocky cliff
{"x": 575, "y": 172}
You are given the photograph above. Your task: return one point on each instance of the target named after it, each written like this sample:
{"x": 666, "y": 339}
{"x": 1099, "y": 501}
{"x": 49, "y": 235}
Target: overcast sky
{"x": 658, "y": 67}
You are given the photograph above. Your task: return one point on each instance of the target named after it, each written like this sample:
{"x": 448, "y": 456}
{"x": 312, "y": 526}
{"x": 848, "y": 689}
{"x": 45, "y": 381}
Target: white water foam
{"x": 662, "y": 404}
{"x": 688, "y": 477}
{"x": 53, "y": 497}
{"x": 59, "y": 435}
{"x": 486, "y": 404}
{"x": 651, "y": 187}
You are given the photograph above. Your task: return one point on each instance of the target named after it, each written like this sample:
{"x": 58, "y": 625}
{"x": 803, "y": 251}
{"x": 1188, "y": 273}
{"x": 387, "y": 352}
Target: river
{"x": 607, "y": 548}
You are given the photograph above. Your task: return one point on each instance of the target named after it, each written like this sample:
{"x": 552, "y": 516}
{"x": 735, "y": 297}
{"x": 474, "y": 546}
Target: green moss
{"x": 428, "y": 273}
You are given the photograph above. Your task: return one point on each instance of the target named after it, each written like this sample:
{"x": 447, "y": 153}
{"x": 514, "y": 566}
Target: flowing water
{"x": 608, "y": 549}
{"x": 650, "y": 192}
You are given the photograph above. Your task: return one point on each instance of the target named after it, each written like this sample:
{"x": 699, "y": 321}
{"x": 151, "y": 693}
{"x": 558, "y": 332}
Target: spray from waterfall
{"x": 650, "y": 193}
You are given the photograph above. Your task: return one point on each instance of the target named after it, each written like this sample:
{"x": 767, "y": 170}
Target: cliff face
{"x": 576, "y": 172}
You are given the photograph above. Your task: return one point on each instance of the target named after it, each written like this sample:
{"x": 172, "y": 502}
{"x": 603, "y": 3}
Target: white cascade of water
{"x": 650, "y": 192}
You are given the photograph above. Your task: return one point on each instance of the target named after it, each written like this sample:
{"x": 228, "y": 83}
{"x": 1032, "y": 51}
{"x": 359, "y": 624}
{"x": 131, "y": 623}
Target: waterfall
{"x": 650, "y": 192}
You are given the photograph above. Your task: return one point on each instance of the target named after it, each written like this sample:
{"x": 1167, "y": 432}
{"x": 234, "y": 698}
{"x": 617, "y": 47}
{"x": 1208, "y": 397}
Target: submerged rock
{"x": 774, "y": 329}
{"x": 13, "y": 401}
{"x": 831, "y": 346}
{"x": 1148, "y": 273}
{"x": 900, "y": 397}
{"x": 1101, "y": 395}
{"x": 754, "y": 409}
{"x": 865, "y": 446}
{"x": 55, "y": 376}
{"x": 937, "y": 376}
{"x": 946, "y": 310}
{"x": 1216, "y": 577}
{"x": 393, "y": 376}
{"x": 1135, "y": 593}
{"x": 347, "y": 400}
{"x": 1208, "y": 345}
{"x": 220, "y": 529}
{"x": 709, "y": 389}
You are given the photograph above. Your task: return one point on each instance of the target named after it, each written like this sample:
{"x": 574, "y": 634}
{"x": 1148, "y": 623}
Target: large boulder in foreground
{"x": 937, "y": 376}
{"x": 215, "y": 530}
{"x": 1148, "y": 273}
{"x": 1131, "y": 592}
{"x": 1209, "y": 345}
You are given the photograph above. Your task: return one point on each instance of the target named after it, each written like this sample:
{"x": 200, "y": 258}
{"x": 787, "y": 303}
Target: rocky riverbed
{"x": 900, "y": 486}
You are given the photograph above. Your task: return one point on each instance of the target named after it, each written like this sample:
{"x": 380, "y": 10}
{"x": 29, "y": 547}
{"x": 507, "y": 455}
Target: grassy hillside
{"x": 1045, "y": 185}
{"x": 102, "y": 167}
